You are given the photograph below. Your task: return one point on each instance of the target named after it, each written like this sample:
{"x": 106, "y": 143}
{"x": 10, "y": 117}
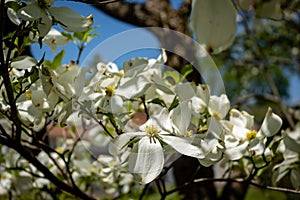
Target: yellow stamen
{"x": 59, "y": 149}
{"x": 28, "y": 94}
{"x": 121, "y": 72}
{"x": 217, "y": 115}
{"x": 152, "y": 131}
{"x": 110, "y": 90}
{"x": 251, "y": 135}
{"x": 189, "y": 133}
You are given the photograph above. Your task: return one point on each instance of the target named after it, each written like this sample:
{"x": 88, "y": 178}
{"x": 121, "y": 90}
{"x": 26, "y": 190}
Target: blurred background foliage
{"x": 263, "y": 58}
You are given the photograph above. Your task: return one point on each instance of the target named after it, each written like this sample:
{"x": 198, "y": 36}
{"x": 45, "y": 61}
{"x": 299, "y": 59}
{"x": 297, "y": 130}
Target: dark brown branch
{"x": 4, "y": 72}
{"x": 152, "y": 13}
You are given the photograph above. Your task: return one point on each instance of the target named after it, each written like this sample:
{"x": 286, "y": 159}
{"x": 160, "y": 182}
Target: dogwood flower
{"x": 46, "y": 15}
{"x": 242, "y": 138}
{"x": 143, "y": 77}
{"x": 101, "y": 89}
{"x": 146, "y": 158}
{"x": 68, "y": 81}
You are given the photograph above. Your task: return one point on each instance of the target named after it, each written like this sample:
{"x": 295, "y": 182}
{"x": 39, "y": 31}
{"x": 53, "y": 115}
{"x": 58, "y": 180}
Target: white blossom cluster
{"x": 142, "y": 114}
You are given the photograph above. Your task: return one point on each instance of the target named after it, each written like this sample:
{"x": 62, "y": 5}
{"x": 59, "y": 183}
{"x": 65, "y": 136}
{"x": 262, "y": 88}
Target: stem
{"x": 144, "y": 191}
{"x": 145, "y": 106}
{"x": 2, "y": 11}
{"x": 94, "y": 118}
{"x": 80, "y": 50}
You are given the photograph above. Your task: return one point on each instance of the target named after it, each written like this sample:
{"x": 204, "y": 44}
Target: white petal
{"x": 45, "y": 25}
{"x": 31, "y": 12}
{"x": 39, "y": 99}
{"x": 183, "y": 146}
{"x": 239, "y": 132}
{"x": 160, "y": 84}
{"x": 230, "y": 141}
{"x": 237, "y": 118}
{"x": 55, "y": 39}
{"x": 12, "y": 15}
{"x": 215, "y": 127}
{"x": 203, "y": 92}
{"x": 71, "y": 20}
{"x": 206, "y": 162}
{"x": 184, "y": 91}
{"x": 219, "y": 106}
{"x": 271, "y": 124}
{"x": 116, "y": 104}
{"x": 135, "y": 66}
{"x": 249, "y": 119}
{"x": 133, "y": 87}
{"x": 148, "y": 160}
{"x": 23, "y": 62}
{"x": 121, "y": 140}
{"x": 80, "y": 80}
{"x": 292, "y": 140}
{"x": 236, "y": 153}
{"x": 198, "y": 105}
{"x": 181, "y": 116}
{"x": 214, "y": 23}
{"x": 161, "y": 121}
{"x": 258, "y": 146}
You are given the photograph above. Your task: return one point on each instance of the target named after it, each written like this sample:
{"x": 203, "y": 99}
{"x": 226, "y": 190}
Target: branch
{"x": 202, "y": 180}
{"x": 266, "y": 97}
{"x": 4, "y": 72}
{"x": 26, "y": 154}
{"x": 152, "y": 13}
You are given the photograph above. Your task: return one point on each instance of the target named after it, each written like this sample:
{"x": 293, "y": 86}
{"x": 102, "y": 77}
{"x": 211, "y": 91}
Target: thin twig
{"x": 286, "y": 190}
{"x": 26, "y": 154}
{"x": 144, "y": 191}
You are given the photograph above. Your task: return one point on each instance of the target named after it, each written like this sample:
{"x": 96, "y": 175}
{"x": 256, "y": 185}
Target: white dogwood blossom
{"x": 46, "y": 15}
{"x": 243, "y": 138}
{"x": 146, "y": 158}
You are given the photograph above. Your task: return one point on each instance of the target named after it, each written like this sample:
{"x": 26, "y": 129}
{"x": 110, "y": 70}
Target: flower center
{"x": 251, "y": 135}
{"x": 216, "y": 114}
{"x": 152, "y": 131}
{"x": 110, "y": 90}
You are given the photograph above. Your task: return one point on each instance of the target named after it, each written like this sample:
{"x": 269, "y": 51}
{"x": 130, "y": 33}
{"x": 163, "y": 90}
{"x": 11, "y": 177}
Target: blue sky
{"x": 109, "y": 27}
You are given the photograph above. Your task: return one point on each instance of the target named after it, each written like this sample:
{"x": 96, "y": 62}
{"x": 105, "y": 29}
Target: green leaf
{"x": 68, "y": 35}
{"x": 174, "y": 103}
{"x": 79, "y": 36}
{"x": 174, "y": 75}
{"x": 58, "y": 59}
{"x": 159, "y": 102}
{"x": 186, "y": 70}
{"x": 13, "y": 5}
